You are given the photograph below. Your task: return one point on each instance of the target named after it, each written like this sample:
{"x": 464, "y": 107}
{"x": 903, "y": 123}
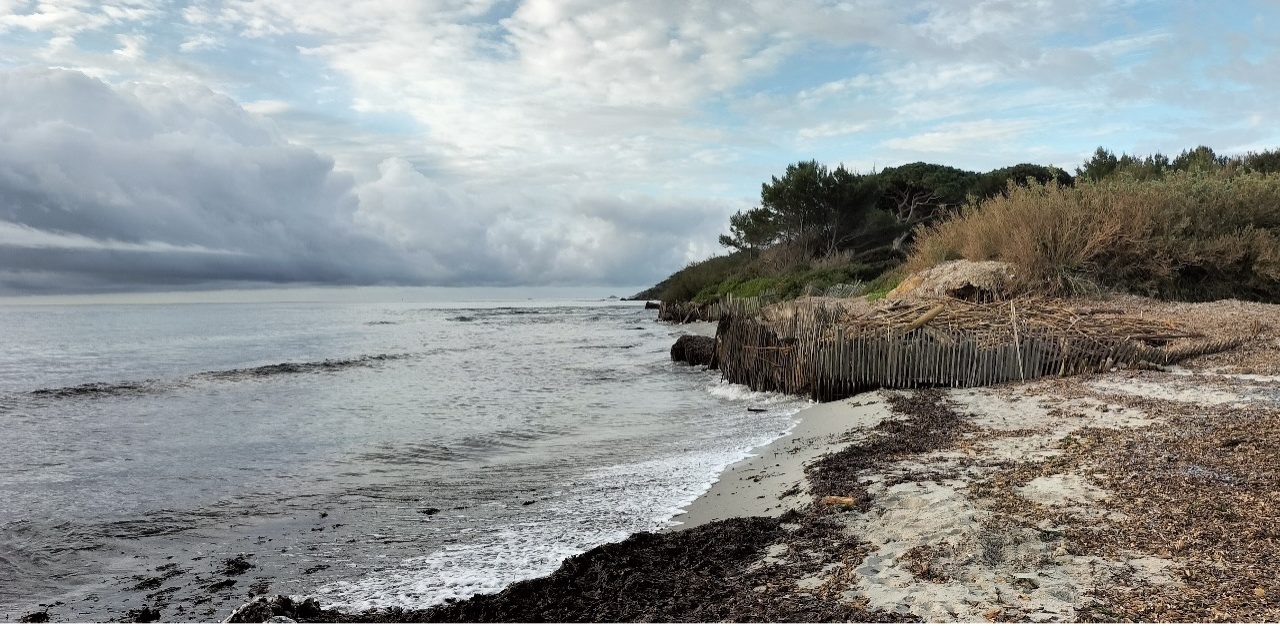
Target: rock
{"x": 142, "y": 616}
{"x": 221, "y": 585}
{"x": 652, "y": 305}
{"x": 38, "y": 617}
{"x": 695, "y": 350}
{"x": 277, "y": 610}
{"x": 236, "y": 566}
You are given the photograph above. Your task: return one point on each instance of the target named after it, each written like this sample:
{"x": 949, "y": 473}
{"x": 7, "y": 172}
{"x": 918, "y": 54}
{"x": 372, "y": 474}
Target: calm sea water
{"x": 368, "y": 454}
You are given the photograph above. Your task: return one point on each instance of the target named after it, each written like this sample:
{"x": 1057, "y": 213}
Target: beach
{"x": 182, "y": 460}
{"x": 1124, "y": 495}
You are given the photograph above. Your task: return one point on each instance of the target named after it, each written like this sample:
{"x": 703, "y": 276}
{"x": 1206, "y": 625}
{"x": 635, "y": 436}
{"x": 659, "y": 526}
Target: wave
{"x": 95, "y": 389}
{"x": 242, "y": 373}
{"x": 326, "y": 365}
{"x": 469, "y": 447}
{"x": 741, "y": 393}
{"x": 409, "y": 453}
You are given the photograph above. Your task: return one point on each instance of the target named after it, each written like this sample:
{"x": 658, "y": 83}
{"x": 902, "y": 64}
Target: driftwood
{"x": 837, "y": 501}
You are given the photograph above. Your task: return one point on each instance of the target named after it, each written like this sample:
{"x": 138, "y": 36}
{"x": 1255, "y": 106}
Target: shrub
{"x": 1195, "y": 235}
{"x": 687, "y": 283}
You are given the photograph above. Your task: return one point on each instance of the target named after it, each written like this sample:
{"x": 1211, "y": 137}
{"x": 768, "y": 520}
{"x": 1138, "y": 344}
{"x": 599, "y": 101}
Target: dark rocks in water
{"x": 152, "y": 582}
{"x": 429, "y": 511}
{"x": 695, "y": 350}
{"x": 462, "y": 318}
{"x": 652, "y": 305}
{"x": 236, "y": 566}
{"x": 264, "y": 610}
{"x": 38, "y": 617}
{"x": 221, "y": 585}
{"x": 145, "y": 615}
{"x": 91, "y": 389}
{"x": 298, "y": 367}
{"x": 147, "y": 386}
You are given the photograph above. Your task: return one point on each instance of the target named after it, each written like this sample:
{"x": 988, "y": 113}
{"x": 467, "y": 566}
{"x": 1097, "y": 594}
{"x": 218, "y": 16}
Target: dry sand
{"x": 1018, "y": 520}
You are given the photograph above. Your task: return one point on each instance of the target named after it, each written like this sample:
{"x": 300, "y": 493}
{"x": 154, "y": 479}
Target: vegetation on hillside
{"x": 1195, "y": 225}
{"x": 1193, "y": 235}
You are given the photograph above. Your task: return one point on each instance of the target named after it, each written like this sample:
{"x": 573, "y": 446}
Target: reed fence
{"x": 829, "y": 350}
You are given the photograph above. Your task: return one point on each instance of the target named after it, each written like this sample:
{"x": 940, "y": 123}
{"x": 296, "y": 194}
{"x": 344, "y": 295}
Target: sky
{"x": 149, "y": 145}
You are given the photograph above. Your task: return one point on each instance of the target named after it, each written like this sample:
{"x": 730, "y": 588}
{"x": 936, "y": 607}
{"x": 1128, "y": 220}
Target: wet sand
{"x": 772, "y": 481}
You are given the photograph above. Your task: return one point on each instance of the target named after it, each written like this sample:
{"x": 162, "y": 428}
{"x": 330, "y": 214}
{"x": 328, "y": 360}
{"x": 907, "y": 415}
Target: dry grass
{"x": 1194, "y": 236}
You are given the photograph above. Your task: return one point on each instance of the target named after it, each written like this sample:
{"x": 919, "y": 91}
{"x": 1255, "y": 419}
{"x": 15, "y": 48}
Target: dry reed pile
{"x": 685, "y": 312}
{"x": 828, "y": 349}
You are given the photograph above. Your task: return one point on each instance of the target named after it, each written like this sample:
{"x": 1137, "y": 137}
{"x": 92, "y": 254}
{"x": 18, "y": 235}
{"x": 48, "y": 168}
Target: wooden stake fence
{"x": 811, "y": 351}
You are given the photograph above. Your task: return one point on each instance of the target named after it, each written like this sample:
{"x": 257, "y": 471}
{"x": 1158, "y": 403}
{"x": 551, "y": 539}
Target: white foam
{"x": 741, "y": 393}
{"x": 603, "y": 506}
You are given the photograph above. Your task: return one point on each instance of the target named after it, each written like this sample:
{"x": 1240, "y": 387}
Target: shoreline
{"x": 772, "y": 480}
{"x": 1005, "y": 509}
{"x": 1131, "y": 495}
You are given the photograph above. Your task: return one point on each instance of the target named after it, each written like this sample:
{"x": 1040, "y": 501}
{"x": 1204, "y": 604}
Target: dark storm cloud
{"x": 144, "y": 185}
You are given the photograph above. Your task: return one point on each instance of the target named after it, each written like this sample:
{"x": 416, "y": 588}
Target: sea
{"x": 186, "y": 457}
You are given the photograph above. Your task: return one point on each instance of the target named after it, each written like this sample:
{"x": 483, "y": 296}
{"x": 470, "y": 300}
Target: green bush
{"x": 694, "y": 278}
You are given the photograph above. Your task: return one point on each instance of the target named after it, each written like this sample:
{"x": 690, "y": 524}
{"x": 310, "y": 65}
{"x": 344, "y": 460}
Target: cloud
{"x": 96, "y": 180}
{"x": 456, "y": 236}
{"x": 268, "y": 107}
{"x": 131, "y": 46}
{"x": 550, "y": 142}
{"x": 201, "y": 41}
{"x": 831, "y": 129}
{"x": 956, "y": 136}
{"x": 107, "y": 187}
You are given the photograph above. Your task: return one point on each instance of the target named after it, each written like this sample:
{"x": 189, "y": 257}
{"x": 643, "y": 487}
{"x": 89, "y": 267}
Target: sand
{"x": 1123, "y": 496}
{"x": 985, "y": 530}
{"x": 772, "y": 480}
